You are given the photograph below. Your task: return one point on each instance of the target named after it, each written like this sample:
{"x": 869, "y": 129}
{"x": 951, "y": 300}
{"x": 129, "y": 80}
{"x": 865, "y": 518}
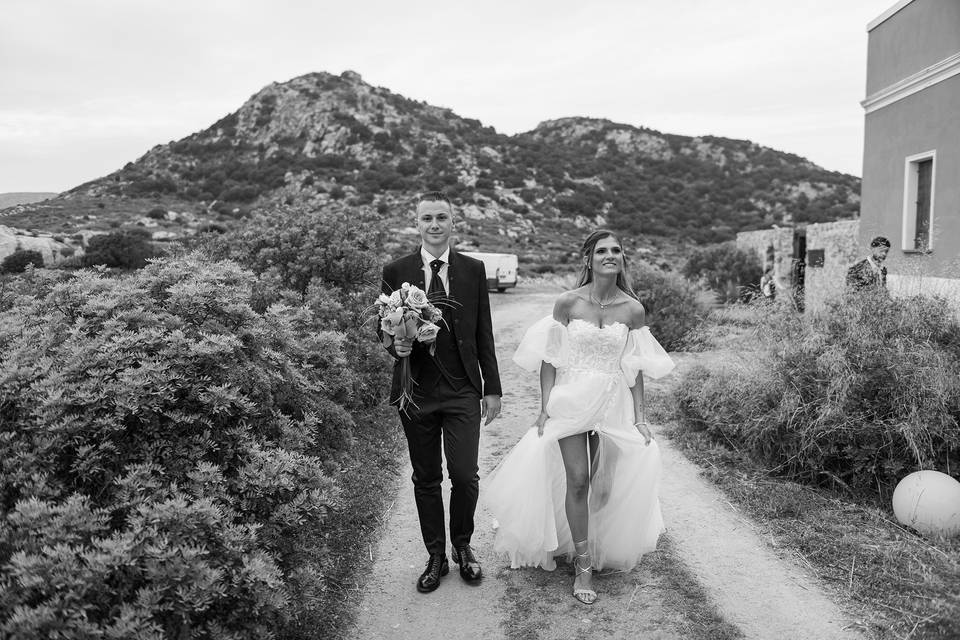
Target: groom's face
{"x": 435, "y": 223}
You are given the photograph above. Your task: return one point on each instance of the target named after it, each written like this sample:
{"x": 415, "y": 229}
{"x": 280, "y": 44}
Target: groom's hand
{"x": 490, "y": 408}
{"x": 403, "y": 346}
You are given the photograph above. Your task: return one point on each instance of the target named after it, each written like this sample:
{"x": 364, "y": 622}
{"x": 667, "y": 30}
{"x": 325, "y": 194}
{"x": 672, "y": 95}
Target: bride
{"x": 583, "y": 481}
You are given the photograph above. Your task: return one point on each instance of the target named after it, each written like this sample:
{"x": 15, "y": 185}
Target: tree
{"x": 17, "y": 261}
{"x": 724, "y": 268}
{"x": 126, "y": 249}
{"x": 335, "y": 247}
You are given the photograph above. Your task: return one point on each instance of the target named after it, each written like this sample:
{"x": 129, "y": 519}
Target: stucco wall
{"x": 917, "y": 36}
{"x": 921, "y": 122}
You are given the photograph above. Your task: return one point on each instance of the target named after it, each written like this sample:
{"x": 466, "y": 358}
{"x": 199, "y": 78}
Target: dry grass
{"x": 894, "y": 582}
{"x": 370, "y": 485}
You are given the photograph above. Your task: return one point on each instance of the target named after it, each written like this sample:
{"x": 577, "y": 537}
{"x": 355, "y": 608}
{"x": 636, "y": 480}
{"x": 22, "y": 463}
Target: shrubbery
{"x": 177, "y": 445}
{"x": 167, "y": 455}
{"x": 330, "y": 259}
{"x": 17, "y": 261}
{"x": 726, "y": 269}
{"x": 855, "y": 397}
{"x": 126, "y": 249}
{"x": 672, "y": 302}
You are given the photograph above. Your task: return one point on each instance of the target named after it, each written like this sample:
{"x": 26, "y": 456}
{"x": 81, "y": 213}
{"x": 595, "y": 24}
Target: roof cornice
{"x": 938, "y": 72}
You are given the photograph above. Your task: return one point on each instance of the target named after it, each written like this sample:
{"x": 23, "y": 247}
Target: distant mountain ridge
{"x": 26, "y": 197}
{"x": 322, "y": 138}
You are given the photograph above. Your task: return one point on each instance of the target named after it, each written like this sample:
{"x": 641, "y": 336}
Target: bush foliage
{"x": 672, "y": 302}
{"x": 854, "y": 398}
{"x": 726, "y": 269}
{"x": 124, "y": 249}
{"x": 171, "y": 446}
{"x": 17, "y": 261}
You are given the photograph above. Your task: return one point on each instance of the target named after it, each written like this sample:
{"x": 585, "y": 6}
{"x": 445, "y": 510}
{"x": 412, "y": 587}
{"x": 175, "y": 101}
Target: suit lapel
{"x": 413, "y": 270}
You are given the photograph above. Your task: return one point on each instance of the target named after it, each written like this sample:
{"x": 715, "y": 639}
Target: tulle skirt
{"x": 526, "y": 491}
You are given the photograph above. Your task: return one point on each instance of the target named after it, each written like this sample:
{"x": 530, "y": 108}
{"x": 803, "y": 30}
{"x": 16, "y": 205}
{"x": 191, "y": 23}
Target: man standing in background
{"x": 870, "y": 273}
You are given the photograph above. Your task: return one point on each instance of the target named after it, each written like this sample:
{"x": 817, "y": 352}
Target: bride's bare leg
{"x": 576, "y": 464}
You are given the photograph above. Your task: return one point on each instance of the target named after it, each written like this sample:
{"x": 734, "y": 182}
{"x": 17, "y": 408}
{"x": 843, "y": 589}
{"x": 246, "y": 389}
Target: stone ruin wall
{"x": 760, "y": 243}
{"x": 826, "y": 273}
{"x": 831, "y": 249}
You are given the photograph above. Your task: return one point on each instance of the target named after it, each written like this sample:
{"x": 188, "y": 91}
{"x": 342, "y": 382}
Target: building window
{"x": 918, "y": 202}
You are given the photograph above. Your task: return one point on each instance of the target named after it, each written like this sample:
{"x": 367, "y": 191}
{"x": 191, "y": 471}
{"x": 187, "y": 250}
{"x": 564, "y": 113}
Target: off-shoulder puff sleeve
{"x": 544, "y": 341}
{"x": 643, "y": 353}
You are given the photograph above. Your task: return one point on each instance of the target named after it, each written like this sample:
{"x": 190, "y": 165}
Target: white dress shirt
{"x": 428, "y": 272}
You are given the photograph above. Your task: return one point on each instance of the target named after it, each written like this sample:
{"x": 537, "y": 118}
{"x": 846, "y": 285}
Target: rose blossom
{"x": 427, "y": 332}
{"x": 416, "y": 298}
{"x": 391, "y": 322}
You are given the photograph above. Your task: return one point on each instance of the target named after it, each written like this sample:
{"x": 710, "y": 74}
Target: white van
{"x": 501, "y": 269}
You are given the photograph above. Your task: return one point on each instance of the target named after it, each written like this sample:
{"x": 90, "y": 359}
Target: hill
{"x": 322, "y": 139}
{"x": 15, "y": 198}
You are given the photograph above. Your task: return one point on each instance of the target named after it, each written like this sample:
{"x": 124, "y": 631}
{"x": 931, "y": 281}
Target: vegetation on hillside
{"x": 322, "y": 140}
{"x": 190, "y": 449}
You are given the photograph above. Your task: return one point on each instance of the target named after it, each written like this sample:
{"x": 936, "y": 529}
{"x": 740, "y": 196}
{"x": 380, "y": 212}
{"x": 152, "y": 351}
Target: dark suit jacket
{"x": 862, "y": 276}
{"x": 469, "y": 315}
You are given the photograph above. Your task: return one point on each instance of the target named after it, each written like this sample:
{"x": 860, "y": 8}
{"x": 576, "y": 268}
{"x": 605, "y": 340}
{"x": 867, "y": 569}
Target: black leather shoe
{"x": 437, "y": 566}
{"x": 469, "y": 565}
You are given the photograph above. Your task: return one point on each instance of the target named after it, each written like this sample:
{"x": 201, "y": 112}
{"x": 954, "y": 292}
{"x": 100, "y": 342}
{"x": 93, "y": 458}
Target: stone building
{"x": 809, "y": 263}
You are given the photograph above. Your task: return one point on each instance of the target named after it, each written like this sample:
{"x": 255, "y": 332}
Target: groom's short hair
{"x": 434, "y": 196}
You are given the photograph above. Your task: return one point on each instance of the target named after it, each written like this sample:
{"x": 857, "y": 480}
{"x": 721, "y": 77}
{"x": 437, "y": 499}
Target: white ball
{"x": 928, "y": 501}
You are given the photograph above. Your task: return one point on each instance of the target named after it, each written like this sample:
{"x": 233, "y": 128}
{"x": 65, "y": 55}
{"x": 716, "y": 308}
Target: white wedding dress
{"x": 525, "y": 492}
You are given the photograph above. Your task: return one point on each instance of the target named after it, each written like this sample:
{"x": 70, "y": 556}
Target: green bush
{"x": 330, "y": 247}
{"x": 672, "y": 302}
{"x": 855, "y": 397}
{"x": 17, "y": 261}
{"x": 330, "y": 258}
{"x": 125, "y": 249}
{"x": 167, "y": 455}
{"x": 726, "y": 269}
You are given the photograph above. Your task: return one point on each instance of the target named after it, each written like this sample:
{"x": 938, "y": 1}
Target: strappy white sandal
{"x": 586, "y": 596}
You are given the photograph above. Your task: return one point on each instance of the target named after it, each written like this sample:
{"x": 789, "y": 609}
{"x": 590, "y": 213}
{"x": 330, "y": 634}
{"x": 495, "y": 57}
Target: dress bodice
{"x": 594, "y": 348}
{"x": 581, "y": 345}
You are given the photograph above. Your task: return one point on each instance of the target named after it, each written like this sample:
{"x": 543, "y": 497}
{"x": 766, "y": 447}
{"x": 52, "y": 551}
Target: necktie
{"x": 436, "y": 284}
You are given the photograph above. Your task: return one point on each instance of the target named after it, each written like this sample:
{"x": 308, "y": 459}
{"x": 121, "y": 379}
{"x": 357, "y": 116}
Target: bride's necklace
{"x": 604, "y": 305}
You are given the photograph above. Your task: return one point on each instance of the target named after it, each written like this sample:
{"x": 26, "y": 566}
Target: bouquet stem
{"x": 406, "y": 385}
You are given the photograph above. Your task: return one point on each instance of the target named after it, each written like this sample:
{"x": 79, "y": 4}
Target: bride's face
{"x": 607, "y": 256}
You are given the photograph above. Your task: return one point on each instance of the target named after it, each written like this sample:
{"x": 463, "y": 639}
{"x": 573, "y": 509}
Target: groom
{"x": 450, "y": 396}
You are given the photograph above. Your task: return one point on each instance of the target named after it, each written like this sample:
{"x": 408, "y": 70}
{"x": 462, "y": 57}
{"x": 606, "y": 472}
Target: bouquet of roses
{"x": 406, "y": 313}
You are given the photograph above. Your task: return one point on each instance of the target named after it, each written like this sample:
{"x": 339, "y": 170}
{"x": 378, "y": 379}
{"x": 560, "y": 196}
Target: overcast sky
{"x": 86, "y": 87}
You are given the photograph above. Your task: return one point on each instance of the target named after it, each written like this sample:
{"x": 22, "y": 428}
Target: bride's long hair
{"x": 586, "y": 270}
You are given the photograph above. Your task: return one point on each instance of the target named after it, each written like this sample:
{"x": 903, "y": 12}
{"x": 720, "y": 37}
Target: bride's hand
{"x": 540, "y": 421}
{"x": 644, "y": 430}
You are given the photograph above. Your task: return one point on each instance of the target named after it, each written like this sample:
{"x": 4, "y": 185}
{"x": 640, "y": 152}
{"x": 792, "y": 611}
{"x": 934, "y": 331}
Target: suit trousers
{"x": 449, "y": 418}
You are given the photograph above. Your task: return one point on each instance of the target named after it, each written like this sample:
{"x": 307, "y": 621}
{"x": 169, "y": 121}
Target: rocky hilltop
{"x": 321, "y": 139}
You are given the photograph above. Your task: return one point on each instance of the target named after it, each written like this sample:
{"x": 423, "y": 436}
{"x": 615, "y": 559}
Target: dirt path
{"x": 765, "y": 596}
